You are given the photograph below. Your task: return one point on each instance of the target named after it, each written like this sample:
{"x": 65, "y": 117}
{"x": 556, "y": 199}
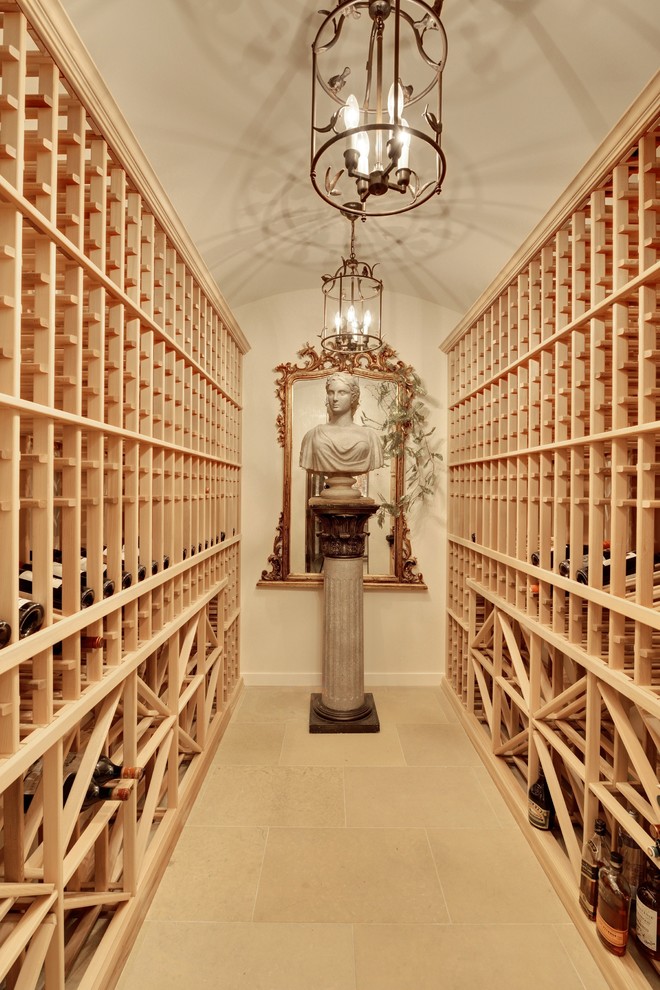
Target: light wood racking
{"x": 554, "y": 425}
{"x": 120, "y": 413}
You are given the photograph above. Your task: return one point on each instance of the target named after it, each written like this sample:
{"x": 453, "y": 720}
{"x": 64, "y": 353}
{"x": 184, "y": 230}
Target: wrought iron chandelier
{"x": 352, "y": 303}
{"x": 381, "y": 147}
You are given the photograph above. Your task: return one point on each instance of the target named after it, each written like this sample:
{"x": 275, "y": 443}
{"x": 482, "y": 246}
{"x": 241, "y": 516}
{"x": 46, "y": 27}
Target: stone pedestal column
{"x": 342, "y": 705}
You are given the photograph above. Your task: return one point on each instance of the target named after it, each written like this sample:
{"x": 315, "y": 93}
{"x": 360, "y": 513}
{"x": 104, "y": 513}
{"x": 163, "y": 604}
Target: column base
{"x": 322, "y": 719}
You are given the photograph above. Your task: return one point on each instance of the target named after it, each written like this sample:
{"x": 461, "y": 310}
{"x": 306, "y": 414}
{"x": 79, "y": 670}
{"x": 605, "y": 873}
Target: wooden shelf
{"x": 120, "y": 418}
{"x": 553, "y": 651}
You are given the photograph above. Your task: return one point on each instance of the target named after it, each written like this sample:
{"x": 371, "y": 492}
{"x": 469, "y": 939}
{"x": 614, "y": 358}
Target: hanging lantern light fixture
{"x": 377, "y": 104}
{"x": 352, "y": 304}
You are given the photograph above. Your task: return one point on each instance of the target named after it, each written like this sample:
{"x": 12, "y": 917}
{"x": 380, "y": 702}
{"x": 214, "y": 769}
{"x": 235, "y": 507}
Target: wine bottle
{"x": 86, "y": 597}
{"x": 613, "y": 911}
{"x": 105, "y": 792}
{"x": 647, "y": 930}
{"x": 582, "y": 575}
{"x": 141, "y": 572}
{"x": 166, "y": 562}
{"x": 31, "y": 782}
{"x": 595, "y": 855}
{"x": 108, "y": 586}
{"x": 154, "y": 567}
{"x": 86, "y": 643}
{"x": 30, "y": 617}
{"x": 126, "y": 576}
{"x": 25, "y": 585}
{"x": 92, "y": 642}
{"x": 104, "y": 786}
{"x": 106, "y": 770}
{"x": 540, "y": 809}
{"x": 535, "y": 557}
{"x": 633, "y": 864}
{"x": 5, "y": 633}
{"x": 564, "y": 566}
{"x": 108, "y": 583}
{"x": 33, "y": 777}
{"x": 57, "y": 565}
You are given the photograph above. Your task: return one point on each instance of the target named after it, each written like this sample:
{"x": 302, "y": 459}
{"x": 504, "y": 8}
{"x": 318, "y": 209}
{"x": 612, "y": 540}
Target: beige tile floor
{"x": 354, "y": 862}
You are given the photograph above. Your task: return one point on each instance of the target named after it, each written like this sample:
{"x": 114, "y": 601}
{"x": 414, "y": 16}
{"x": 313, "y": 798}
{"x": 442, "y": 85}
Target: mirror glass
{"x": 296, "y": 560}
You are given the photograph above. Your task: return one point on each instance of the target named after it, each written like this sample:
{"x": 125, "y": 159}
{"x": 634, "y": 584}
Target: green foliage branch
{"x": 405, "y": 433}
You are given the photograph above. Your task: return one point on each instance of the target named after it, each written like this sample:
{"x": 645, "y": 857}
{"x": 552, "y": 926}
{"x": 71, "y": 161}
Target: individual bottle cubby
{"x": 120, "y": 420}
{"x": 554, "y": 533}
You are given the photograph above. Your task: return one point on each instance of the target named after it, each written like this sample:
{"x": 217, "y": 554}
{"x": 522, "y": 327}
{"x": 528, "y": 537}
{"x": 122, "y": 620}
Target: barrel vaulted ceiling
{"x": 218, "y": 95}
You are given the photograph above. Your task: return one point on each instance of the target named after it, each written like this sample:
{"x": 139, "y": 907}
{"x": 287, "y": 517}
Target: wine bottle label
{"x": 588, "y": 900}
{"x": 538, "y": 816}
{"x": 589, "y": 889}
{"x": 615, "y": 936}
{"x": 57, "y": 566}
{"x": 588, "y": 871}
{"x": 27, "y": 576}
{"x": 647, "y": 925}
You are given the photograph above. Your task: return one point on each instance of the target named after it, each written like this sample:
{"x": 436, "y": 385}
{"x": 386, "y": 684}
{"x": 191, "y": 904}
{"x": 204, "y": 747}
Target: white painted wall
{"x": 404, "y": 640}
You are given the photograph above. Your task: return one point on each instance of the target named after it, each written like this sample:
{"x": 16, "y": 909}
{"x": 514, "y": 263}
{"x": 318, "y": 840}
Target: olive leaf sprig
{"x": 405, "y": 433}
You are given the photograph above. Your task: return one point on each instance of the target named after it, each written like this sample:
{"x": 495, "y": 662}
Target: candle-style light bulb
{"x": 367, "y": 321}
{"x": 351, "y": 112}
{"x": 399, "y": 102}
{"x": 362, "y": 146}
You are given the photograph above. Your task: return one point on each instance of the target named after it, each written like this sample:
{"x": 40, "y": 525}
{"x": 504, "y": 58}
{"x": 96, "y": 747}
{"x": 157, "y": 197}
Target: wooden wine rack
{"x": 120, "y": 413}
{"x": 554, "y": 425}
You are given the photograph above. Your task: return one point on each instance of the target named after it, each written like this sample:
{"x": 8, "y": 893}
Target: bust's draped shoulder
{"x": 354, "y": 449}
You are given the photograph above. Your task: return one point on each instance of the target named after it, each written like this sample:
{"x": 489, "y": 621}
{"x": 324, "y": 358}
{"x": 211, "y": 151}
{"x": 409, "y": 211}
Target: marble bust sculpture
{"x": 340, "y": 448}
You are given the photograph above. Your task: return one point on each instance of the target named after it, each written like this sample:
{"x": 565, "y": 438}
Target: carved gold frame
{"x": 383, "y": 363}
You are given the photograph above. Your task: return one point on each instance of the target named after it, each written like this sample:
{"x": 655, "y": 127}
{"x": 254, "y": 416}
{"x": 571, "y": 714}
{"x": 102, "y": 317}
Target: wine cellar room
{"x": 167, "y": 337}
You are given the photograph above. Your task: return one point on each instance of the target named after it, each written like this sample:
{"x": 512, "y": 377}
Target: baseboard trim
{"x": 431, "y": 678}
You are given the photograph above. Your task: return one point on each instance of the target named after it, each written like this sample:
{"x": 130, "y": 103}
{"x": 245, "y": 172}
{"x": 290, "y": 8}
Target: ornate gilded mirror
{"x": 296, "y": 560}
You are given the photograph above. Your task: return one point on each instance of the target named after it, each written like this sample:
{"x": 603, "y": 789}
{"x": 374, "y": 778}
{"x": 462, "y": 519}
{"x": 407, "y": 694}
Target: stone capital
{"x": 342, "y": 525}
